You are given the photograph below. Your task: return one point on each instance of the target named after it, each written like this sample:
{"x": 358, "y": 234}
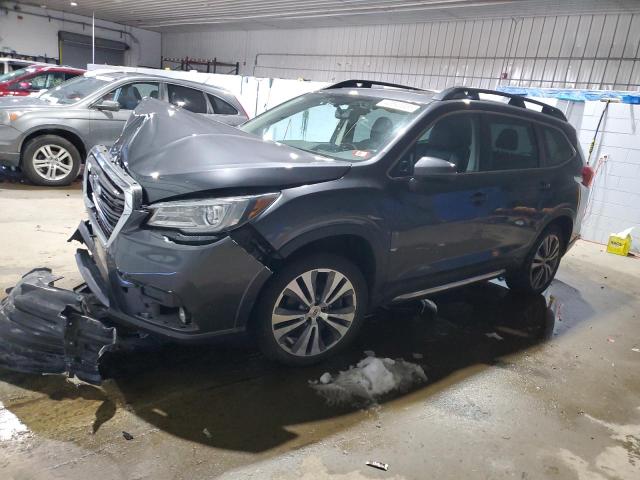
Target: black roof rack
{"x": 368, "y": 84}
{"x": 457, "y": 93}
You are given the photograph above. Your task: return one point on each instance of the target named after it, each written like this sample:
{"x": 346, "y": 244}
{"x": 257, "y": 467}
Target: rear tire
{"x": 541, "y": 264}
{"x": 311, "y": 309}
{"x": 50, "y": 160}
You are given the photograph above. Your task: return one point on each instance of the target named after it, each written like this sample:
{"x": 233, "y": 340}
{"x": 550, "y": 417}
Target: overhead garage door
{"x": 75, "y": 50}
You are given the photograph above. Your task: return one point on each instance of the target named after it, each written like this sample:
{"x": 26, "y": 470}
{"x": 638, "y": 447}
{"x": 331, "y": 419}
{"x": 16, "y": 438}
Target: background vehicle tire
{"x": 50, "y": 160}
{"x": 541, "y": 264}
{"x": 312, "y": 308}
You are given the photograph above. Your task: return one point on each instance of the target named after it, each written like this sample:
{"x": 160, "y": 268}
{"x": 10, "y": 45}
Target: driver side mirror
{"x": 432, "y": 167}
{"x": 107, "y": 105}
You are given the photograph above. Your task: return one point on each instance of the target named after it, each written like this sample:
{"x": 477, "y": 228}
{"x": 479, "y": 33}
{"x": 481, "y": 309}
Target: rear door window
{"x": 509, "y": 144}
{"x": 221, "y": 107}
{"x": 187, "y": 98}
{"x": 559, "y": 150}
{"x": 55, "y": 79}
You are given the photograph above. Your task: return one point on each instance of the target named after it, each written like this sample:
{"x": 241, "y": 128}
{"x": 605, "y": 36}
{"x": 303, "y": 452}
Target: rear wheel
{"x": 50, "y": 160}
{"x": 312, "y": 308}
{"x": 540, "y": 266}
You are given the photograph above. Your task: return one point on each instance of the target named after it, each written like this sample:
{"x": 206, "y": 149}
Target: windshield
{"x": 16, "y": 73}
{"x": 75, "y": 90}
{"x": 338, "y": 125}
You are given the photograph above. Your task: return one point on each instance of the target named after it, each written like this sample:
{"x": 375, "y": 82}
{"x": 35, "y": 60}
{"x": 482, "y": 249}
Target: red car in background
{"x": 32, "y": 79}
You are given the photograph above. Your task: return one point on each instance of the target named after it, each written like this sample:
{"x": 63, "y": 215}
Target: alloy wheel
{"x": 52, "y": 162}
{"x": 545, "y": 261}
{"x": 314, "y": 312}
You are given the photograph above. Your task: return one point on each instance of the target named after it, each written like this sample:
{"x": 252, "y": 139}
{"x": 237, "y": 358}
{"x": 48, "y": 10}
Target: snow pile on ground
{"x": 371, "y": 378}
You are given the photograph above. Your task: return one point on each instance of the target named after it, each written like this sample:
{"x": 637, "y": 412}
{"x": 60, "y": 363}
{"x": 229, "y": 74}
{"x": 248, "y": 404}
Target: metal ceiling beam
{"x": 253, "y": 14}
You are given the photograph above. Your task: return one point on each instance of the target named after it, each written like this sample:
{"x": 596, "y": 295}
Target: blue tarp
{"x": 574, "y": 95}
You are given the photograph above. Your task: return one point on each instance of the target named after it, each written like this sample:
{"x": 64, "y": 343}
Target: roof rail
{"x": 368, "y": 84}
{"x": 456, "y": 93}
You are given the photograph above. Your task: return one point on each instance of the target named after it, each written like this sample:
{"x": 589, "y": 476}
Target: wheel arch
{"x": 354, "y": 242}
{"x": 354, "y": 248}
{"x": 349, "y": 241}
{"x": 67, "y": 134}
{"x": 564, "y": 221}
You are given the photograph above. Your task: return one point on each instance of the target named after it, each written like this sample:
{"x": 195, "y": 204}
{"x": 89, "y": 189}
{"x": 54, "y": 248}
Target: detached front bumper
{"x": 48, "y": 330}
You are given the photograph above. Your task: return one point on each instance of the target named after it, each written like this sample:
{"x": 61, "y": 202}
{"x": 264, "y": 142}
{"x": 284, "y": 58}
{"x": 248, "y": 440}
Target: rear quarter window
{"x": 187, "y": 98}
{"x": 559, "y": 150}
{"x": 221, "y": 107}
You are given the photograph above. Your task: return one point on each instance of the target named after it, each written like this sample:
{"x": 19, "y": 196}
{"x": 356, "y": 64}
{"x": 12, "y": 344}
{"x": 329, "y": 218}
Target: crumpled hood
{"x": 171, "y": 152}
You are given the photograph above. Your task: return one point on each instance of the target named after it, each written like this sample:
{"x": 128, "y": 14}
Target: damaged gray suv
{"x": 323, "y": 208}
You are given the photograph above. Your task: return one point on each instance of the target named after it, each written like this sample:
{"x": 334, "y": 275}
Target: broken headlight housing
{"x": 211, "y": 215}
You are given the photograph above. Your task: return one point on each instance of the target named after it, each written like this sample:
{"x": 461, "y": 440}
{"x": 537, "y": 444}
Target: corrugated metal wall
{"x": 581, "y": 51}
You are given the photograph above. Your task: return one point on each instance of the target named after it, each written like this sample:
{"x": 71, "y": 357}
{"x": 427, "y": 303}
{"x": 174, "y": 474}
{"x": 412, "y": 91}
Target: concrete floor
{"x": 558, "y": 397}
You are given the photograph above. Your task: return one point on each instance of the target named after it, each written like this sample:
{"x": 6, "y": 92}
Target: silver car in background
{"x": 48, "y": 136}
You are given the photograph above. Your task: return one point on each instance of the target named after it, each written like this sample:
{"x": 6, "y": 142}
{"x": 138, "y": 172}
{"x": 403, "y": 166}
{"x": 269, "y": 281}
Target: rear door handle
{"x": 545, "y": 185}
{"x": 478, "y": 198}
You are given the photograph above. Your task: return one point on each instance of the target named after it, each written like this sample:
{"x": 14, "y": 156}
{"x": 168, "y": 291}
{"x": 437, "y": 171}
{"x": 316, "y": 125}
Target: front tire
{"x": 541, "y": 264}
{"x": 311, "y": 309}
{"x": 50, "y": 160}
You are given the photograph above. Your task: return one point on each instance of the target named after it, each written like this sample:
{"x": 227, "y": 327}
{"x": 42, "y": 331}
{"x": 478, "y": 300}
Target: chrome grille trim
{"x": 100, "y": 210}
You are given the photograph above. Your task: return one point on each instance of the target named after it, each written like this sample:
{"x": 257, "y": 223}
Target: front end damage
{"x": 48, "y": 330}
{"x": 154, "y": 284}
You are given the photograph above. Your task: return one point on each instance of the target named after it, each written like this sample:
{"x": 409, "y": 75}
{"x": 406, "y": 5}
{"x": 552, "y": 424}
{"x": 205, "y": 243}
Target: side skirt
{"x": 448, "y": 286}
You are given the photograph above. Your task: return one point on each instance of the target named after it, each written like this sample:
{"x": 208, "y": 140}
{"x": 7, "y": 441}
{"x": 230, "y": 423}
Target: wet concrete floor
{"x": 515, "y": 389}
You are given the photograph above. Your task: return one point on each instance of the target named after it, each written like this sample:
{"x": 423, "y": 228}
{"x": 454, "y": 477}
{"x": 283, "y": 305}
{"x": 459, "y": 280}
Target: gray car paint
{"x": 90, "y": 125}
{"x": 168, "y": 160}
{"x": 401, "y": 223}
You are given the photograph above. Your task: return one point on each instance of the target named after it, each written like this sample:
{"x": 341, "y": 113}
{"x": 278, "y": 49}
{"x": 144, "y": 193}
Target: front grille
{"x": 107, "y": 197}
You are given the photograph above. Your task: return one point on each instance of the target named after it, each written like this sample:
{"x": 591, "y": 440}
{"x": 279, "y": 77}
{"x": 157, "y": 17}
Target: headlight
{"x": 211, "y": 215}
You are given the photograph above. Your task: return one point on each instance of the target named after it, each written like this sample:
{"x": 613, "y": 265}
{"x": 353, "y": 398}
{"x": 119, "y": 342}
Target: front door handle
{"x": 478, "y": 198}
{"x": 545, "y": 185}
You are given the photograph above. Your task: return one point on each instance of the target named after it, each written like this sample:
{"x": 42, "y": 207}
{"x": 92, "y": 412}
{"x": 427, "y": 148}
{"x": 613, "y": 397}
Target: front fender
{"x": 335, "y": 229}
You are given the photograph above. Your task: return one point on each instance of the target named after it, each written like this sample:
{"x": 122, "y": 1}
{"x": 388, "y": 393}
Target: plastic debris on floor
{"x": 370, "y": 379}
{"x": 378, "y": 465}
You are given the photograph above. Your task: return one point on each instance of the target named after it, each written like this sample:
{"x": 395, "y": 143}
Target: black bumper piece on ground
{"x": 48, "y": 330}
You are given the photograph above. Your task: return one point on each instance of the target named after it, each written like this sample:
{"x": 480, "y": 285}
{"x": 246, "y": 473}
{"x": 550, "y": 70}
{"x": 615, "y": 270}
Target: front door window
{"x": 129, "y": 95}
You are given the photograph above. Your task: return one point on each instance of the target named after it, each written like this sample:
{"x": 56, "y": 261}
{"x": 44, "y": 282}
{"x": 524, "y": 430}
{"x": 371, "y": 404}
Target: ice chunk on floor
{"x": 371, "y": 378}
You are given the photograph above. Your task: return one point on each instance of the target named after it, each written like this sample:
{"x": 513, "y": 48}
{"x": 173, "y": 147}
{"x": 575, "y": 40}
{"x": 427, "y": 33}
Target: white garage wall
{"x": 615, "y": 195}
{"x": 34, "y": 35}
{"x": 580, "y": 51}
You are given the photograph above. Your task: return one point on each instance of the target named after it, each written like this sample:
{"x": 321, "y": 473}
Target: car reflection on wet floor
{"x": 246, "y": 403}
